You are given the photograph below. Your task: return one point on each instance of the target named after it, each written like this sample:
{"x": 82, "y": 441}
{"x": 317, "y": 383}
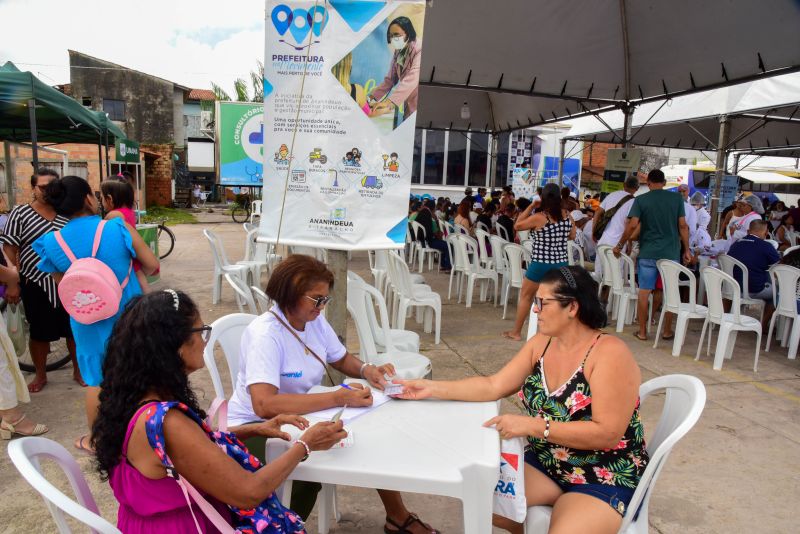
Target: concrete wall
{"x": 149, "y": 101}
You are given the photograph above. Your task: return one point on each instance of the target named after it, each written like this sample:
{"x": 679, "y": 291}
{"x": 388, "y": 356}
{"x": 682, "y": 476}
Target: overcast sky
{"x": 188, "y": 42}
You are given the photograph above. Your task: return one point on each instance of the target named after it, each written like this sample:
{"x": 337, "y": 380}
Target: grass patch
{"x": 170, "y": 216}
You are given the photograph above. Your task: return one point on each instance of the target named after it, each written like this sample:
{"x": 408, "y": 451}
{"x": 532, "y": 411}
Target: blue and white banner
{"x": 340, "y": 101}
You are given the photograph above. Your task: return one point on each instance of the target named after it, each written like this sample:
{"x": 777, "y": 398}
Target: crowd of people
{"x": 585, "y": 450}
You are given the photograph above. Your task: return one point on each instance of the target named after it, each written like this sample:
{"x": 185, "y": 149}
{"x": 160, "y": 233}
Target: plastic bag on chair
{"x": 509, "y": 494}
{"x": 17, "y": 328}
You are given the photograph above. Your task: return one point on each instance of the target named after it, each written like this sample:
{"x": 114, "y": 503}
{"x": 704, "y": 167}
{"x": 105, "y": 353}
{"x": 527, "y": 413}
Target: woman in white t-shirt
{"x": 283, "y": 355}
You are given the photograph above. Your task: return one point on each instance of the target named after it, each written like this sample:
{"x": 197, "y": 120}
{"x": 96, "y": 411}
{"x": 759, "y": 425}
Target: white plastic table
{"x": 432, "y": 446}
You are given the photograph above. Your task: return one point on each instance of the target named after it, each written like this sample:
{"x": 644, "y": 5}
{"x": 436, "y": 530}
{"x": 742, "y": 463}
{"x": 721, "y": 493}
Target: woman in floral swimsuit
{"x": 580, "y": 388}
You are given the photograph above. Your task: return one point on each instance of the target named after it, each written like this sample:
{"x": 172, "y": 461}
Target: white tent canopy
{"x": 763, "y": 114}
{"x": 525, "y": 62}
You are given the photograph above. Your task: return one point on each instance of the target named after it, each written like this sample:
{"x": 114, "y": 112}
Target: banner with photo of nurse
{"x": 340, "y": 101}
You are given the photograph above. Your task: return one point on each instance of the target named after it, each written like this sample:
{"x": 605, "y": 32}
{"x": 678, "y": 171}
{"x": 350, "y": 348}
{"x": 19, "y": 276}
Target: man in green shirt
{"x": 662, "y": 226}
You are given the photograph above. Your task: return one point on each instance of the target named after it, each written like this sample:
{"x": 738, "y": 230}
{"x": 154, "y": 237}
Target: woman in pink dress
{"x": 143, "y": 376}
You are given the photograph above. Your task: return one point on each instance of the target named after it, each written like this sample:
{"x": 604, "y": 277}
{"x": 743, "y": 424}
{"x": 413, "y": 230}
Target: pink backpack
{"x": 89, "y": 290}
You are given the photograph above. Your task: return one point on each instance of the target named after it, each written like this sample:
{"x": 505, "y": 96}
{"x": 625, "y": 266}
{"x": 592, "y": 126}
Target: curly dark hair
{"x": 142, "y": 359}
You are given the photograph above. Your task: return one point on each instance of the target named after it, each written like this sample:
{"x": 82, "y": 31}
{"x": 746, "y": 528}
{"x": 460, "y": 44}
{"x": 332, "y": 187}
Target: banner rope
{"x": 296, "y": 121}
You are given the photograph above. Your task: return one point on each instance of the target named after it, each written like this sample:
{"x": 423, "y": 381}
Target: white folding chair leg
{"x": 326, "y": 507}
{"x": 216, "y": 291}
{"x": 794, "y": 339}
{"x": 660, "y": 323}
{"x": 702, "y": 336}
{"x": 622, "y": 313}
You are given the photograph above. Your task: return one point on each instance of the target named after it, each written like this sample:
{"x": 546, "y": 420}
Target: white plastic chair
{"x": 227, "y": 331}
{"x": 575, "y": 254}
{"x": 502, "y": 232}
{"x": 414, "y": 295}
{"x": 26, "y": 455}
{"x": 422, "y": 248}
{"x": 785, "y": 279}
{"x": 729, "y": 323}
{"x": 459, "y": 229}
{"x": 243, "y": 295}
{"x": 259, "y": 255}
{"x": 447, "y": 228}
{"x": 670, "y": 276}
{"x": 513, "y": 255}
{"x": 407, "y": 365}
{"x": 456, "y": 266}
{"x": 483, "y": 237}
{"x": 255, "y": 209}
{"x": 262, "y": 299}
{"x": 523, "y": 235}
{"x": 604, "y": 280}
{"x": 411, "y": 246}
{"x": 624, "y": 293}
{"x": 499, "y": 257}
{"x": 790, "y": 249}
{"x": 683, "y": 405}
{"x": 386, "y": 338}
{"x": 222, "y": 266}
{"x": 728, "y": 264}
{"x": 473, "y": 271}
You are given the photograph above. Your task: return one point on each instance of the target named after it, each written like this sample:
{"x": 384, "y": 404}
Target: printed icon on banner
{"x": 372, "y": 182}
{"x": 298, "y": 176}
{"x": 338, "y": 214}
{"x": 316, "y": 156}
{"x": 282, "y": 155}
{"x": 352, "y": 158}
{"x": 390, "y": 162}
{"x": 299, "y": 22}
{"x": 335, "y": 175}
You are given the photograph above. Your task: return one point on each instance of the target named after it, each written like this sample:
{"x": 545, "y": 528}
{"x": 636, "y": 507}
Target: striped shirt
{"x": 25, "y": 226}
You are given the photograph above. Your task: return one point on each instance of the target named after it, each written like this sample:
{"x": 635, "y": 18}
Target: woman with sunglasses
{"x": 284, "y": 354}
{"x": 585, "y": 451}
{"x": 148, "y": 409}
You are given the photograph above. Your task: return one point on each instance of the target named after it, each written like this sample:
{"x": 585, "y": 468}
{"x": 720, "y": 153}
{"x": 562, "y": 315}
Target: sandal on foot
{"x": 7, "y": 430}
{"x": 79, "y": 444}
{"x": 667, "y": 338}
{"x": 640, "y": 338}
{"x": 403, "y": 529}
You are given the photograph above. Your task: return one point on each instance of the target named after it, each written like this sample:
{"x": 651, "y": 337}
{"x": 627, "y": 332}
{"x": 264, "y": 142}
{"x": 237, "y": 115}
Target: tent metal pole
{"x": 100, "y": 158}
{"x": 34, "y": 148}
{"x": 722, "y": 154}
{"x": 108, "y": 163}
{"x": 627, "y": 113}
{"x": 736, "y": 163}
{"x": 562, "y": 149}
{"x": 493, "y": 161}
{"x": 11, "y": 175}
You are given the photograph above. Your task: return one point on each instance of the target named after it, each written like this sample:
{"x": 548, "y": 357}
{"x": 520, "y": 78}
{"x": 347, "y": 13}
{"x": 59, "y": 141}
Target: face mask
{"x": 398, "y": 43}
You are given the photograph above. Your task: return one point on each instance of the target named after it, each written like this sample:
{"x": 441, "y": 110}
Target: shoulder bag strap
{"x": 291, "y": 331}
{"x": 219, "y": 408}
{"x": 98, "y": 234}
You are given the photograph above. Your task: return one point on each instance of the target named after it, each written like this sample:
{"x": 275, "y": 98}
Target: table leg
{"x": 477, "y": 500}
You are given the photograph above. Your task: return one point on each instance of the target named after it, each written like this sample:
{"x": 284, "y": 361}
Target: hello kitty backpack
{"x": 89, "y": 290}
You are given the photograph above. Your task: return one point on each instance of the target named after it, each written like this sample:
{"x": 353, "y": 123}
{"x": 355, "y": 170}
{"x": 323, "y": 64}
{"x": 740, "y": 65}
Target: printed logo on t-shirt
{"x": 296, "y": 374}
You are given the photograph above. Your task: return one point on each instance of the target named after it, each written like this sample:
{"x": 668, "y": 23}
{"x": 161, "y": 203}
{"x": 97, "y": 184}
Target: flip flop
{"x": 640, "y": 338}
{"x": 403, "y": 529}
{"x": 36, "y": 387}
{"x": 79, "y": 444}
{"x": 667, "y": 338}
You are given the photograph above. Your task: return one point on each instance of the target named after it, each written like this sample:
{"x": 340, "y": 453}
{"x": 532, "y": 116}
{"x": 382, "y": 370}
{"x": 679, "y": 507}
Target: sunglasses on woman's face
{"x": 539, "y": 302}
{"x": 205, "y": 332}
{"x": 319, "y": 302}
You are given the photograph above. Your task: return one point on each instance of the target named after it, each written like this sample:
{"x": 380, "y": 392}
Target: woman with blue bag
{"x": 168, "y": 470}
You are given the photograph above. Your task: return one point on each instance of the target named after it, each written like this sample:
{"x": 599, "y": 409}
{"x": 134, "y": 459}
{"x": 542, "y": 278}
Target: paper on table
{"x": 378, "y": 399}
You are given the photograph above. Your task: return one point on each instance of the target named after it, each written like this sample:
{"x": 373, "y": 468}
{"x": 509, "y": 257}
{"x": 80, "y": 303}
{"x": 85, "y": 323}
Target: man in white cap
{"x": 477, "y": 209}
{"x": 583, "y": 235}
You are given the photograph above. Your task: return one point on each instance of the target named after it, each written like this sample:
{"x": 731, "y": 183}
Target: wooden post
{"x": 11, "y": 176}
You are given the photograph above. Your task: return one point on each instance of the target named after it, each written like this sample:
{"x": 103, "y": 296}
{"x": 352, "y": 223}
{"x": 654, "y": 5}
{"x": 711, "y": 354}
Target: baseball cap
{"x": 578, "y": 215}
{"x": 573, "y": 195}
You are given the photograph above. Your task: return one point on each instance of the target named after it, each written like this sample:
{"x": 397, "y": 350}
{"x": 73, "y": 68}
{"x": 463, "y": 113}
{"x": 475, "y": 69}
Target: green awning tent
{"x": 58, "y": 118}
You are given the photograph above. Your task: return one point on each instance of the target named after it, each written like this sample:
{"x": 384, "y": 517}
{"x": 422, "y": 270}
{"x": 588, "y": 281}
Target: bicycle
{"x": 166, "y": 240}
{"x": 57, "y": 358}
{"x": 240, "y": 212}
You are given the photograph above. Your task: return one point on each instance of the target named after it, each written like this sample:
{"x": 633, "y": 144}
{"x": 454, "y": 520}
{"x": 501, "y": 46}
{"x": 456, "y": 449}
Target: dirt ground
{"x": 736, "y": 471}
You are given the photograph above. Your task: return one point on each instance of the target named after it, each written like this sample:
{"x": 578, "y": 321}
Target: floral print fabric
{"x": 622, "y": 465}
{"x": 270, "y": 516}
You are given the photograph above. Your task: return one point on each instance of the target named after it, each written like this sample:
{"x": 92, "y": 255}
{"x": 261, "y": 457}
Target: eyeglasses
{"x": 319, "y": 301}
{"x": 539, "y": 301}
{"x": 205, "y": 332}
